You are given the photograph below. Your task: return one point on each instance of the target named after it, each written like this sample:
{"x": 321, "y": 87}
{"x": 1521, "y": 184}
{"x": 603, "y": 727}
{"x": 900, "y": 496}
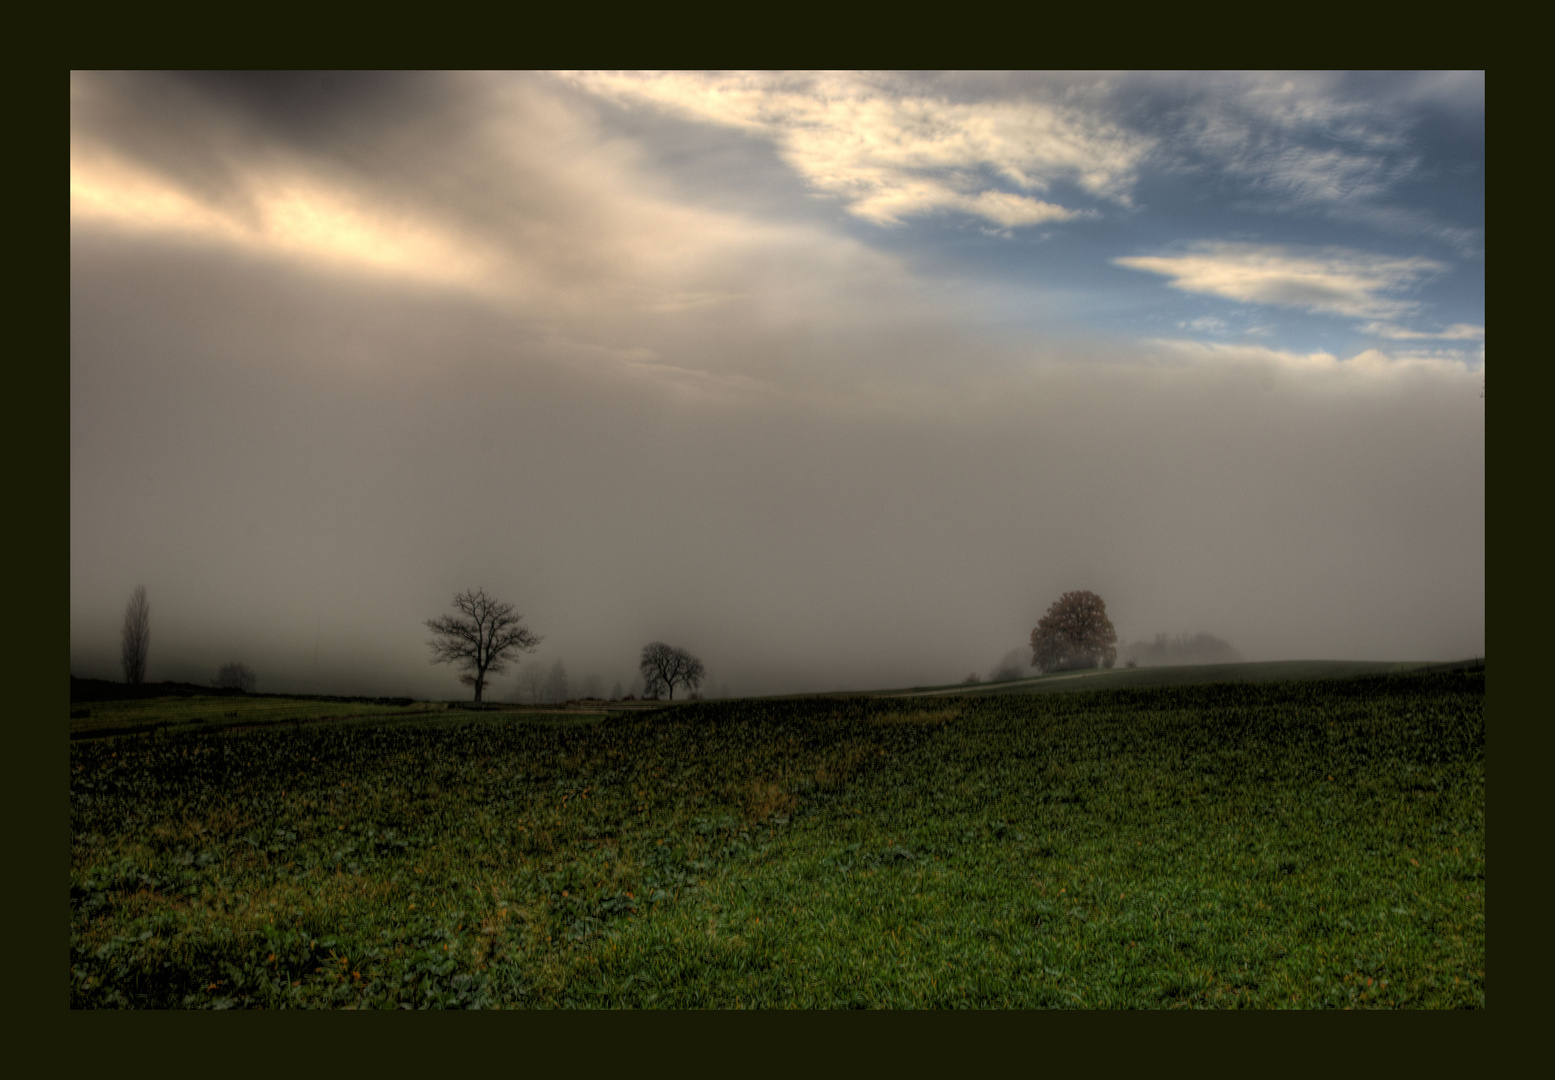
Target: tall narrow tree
{"x": 480, "y": 639}
{"x": 136, "y": 639}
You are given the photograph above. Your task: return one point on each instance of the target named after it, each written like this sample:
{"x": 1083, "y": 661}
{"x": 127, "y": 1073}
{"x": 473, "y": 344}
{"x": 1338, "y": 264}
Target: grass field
{"x": 193, "y": 713}
{"x": 189, "y": 711}
{"x": 1184, "y": 675}
{"x": 1315, "y": 844}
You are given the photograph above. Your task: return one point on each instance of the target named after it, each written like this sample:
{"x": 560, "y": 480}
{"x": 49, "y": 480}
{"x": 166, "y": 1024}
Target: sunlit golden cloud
{"x": 894, "y": 153}
{"x": 284, "y": 214}
{"x": 1331, "y": 281}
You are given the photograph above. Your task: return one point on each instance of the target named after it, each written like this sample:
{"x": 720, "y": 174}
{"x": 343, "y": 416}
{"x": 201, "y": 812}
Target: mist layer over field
{"x": 341, "y": 350}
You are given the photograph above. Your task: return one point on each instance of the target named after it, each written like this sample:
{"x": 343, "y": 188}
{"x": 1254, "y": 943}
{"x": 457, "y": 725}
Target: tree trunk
{"x": 480, "y": 681}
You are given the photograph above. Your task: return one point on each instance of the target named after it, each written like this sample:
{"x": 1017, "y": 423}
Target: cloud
{"x": 893, "y": 149}
{"x": 1206, "y": 324}
{"x": 1368, "y": 362}
{"x": 286, "y": 213}
{"x": 1331, "y": 281}
{"x": 1298, "y": 137}
{"x": 544, "y": 216}
{"x": 1455, "y": 332}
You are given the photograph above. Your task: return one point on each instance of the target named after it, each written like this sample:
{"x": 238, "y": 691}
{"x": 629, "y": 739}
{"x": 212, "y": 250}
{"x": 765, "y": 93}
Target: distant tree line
{"x": 1180, "y": 649}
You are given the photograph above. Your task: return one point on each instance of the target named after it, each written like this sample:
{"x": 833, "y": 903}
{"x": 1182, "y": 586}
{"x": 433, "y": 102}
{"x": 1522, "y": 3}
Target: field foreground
{"x": 1304, "y": 844}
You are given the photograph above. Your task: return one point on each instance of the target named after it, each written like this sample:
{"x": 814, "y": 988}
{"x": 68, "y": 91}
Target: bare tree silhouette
{"x": 664, "y": 665}
{"x": 480, "y": 639}
{"x": 136, "y": 638}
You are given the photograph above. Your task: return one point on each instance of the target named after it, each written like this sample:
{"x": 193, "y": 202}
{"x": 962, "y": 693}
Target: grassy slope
{"x": 196, "y": 712}
{"x": 1285, "y": 844}
{"x": 1186, "y": 675}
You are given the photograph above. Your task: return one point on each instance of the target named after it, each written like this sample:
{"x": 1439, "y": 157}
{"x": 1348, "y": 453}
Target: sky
{"x": 837, "y": 380}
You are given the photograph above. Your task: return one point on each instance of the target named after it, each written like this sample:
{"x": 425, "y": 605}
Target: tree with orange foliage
{"x": 1075, "y": 633}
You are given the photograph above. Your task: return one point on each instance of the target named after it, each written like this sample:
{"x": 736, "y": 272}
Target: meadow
{"x": 210, "y": 712}
{"x": 1298, "y": 844}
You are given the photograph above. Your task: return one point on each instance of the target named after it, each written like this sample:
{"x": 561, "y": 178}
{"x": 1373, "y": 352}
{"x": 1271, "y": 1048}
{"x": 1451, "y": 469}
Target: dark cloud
{"x": 320, "y": 106}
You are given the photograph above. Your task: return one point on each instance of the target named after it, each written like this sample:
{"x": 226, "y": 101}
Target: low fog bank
{"x": 301, "y": 473}
{"x": 1016, "y": 664}
{"x": 1162, "y": 651}
{"x": 1169, "y": 650}
{"x": 337, "y": 356}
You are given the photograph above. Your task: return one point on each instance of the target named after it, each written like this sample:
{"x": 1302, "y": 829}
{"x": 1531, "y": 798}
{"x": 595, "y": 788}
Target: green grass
{"x": 189, "y": 713}
{"x": 184, "y": 712}
{"x": 1290, "y": 844}
{"x": 1186, "y": 675}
